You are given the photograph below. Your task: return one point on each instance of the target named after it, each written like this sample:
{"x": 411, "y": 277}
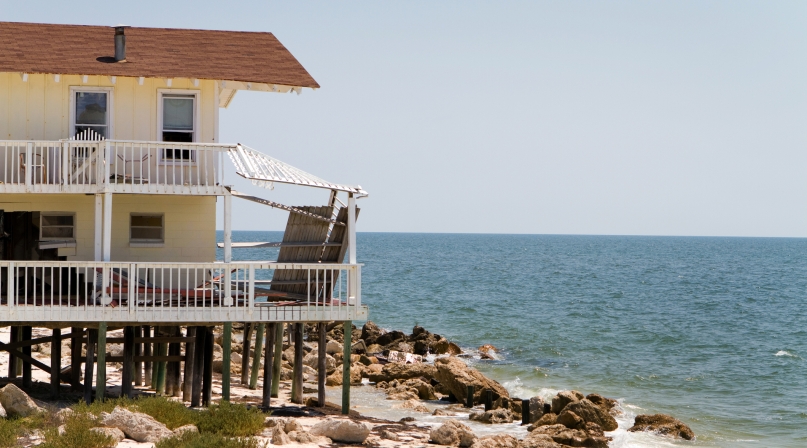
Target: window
{"x": 90, "y": 113}
{"x": 178, "y": 124}
{"x": 57, "y": 226}
{"x": 146, "y": 228}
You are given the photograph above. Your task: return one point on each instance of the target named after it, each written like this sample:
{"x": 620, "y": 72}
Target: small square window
{"x": 57, "y": 226}
{"x": 146, "y": 228}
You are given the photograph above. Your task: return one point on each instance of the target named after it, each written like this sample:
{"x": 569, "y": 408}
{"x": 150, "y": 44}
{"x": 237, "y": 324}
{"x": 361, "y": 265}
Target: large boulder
{"x": 346, "y": 431}
{"x": 453, "y": 433}
{"x": 538, "y": 441}
{"x": 370, "y": 332}
{"x": 662, "y": 424}
{"x": 16, "y": 402}
{"x": 496, "y": 441}
{"x": 563, "y": 398}
{"x": 389, "y": 338}
{"x": 494, "y": 416}
{"x": 590, "y": 412}
{"x": 571, "y": 420}
{"x": 547, "y": 419}
{"x": 399, "y": 371}
{"x": 137, "y": 426}
{"x": 114, "y": 433}
{"x": 571, "y": 437}
{"x": 609, "y": 404}
{"x": 456, "y": 376}
{"x": 536, "y": 408}
{"x": 279, "y": 436}
{"x": 311, "y": 360}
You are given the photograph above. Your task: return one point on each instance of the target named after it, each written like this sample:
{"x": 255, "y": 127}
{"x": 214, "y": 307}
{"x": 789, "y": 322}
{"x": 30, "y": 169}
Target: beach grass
{"x": 229, "y": 419}
{"x": 77, "y": 434}
{"x": 208, "y": 440}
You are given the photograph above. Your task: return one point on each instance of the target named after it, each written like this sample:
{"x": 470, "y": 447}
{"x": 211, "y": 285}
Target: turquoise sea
{"x": 710, "y": 330}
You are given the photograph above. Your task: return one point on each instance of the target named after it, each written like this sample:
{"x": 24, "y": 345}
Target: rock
{"x": 443, "y": 347}
{"x": 375, "y": 348}
{"x": 359, "y": 347}
{"x": 413, "y": 405}
{"x": 594, "y": 429}
{"x": 545, "y": 420}
{"x": 370, "y": 332}
{"x": 334, "y": 379}
{"x": 287, "y": 374}
{"x": 16, "y": 402}
{"x": 302, "y": 437}
{"x": 389, "y": 338}
{"x": 271, "y": 422}
{"x": 513, "y": 404}
{"x": 425, "y": 391}
{"x": 279, "y": 436}
{"x": 397, "y": 371}
{"x": 571, "y": 420}
{"x": 333, "y": 347}
{"x": 137, "y": 426}
{"x": 312, "y": 359}
{"x": 389, "y": 435}
{"x": 443, "y": 412}
{"x": 571, "y": 437}
{"x": 453, "y": 433}
{"x": 407, "y": 420}
{"x": 488, "y": 351}
{"x": 538, "y": 441}
{"x": 456, "y": 376}
{"x": 563, "y": 398}
{"x": 536, "y": 408}
{"x": 496, "y": 441}
{"x": 185, "y": 429}
{"x": 590, "y": 412}
{"x": 372, "y": 369}
{"x": 292, "y": 425}
{"x": 662, "y": 424}
{"x": 364, "y": 359}
{"x": 63, "y": 414}
{"x": 400, "y": 346}
{"x": 346, "y": 431}
{"x": 609, "y": 404}
{"x": 401, "y": 393}
{"x": 115, "y": 433}
{"x": 218, "y": 367}
{"x": 494, "y": 416}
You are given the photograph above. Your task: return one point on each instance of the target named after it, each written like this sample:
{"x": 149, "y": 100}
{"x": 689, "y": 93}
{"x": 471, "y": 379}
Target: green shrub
{"x": 208, "y": 440}
{"x": 172, "y": 414}
{"x": 233, "y": 420}
{"x": 77, "y": 434}
{"x": 9, "y": 431}
{"x": 97, "y": 407}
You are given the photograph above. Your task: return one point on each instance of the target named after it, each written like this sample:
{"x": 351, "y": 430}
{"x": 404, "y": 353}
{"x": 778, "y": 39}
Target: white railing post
{"x": 12, "y": 296}
{"x": 65, "y": 175}
{"x": 107, "y": 226}
{"x": 351, "y": 230}
{"x": 251, "y": 296}
{"x": 107, "y": 161}
{"x": 134, "y": 286}
{"x": 28, "y": 166}
{"x": 228, "y": 228}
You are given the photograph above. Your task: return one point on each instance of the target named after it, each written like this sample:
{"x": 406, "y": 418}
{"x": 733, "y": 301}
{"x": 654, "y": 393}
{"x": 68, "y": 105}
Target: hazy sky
{"x": 663, "y": 118}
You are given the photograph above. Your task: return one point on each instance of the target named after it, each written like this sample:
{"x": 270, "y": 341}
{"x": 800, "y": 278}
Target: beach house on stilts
{"x": 110, "y": 171}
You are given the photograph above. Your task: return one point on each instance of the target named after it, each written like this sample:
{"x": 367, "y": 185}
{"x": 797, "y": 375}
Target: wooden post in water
{"x": 12, "y": 360}
{"x": 268, "y": 361}
{"x": 278, "y": 360}
{"x": 525, "y": 412}
{"x": 55, "y": 361}
{"x": 100, "y": 381}
{"x": 256, "y": 360}
{"x": 147, "y": 351}
{"x": 488, "y": 396}
{"x": 75, "y": 358}
{"x": 128, "y": 362}
{"x": 198, "y": 366}
{"x": 187, "y": 384}
{"x": 26, "y": 366}
{"x": 322, "y": 371}
{"x": 297, "y": 377}
{"x": 226, "y": 359}
{"x": 207, "y": 384}
{"x": 245, "y": 345}
{"x": 138, "y": 351}
{"x": 92, "y": 337}
{"x": 469, "y": 399}
{"x": 348, "y": 334}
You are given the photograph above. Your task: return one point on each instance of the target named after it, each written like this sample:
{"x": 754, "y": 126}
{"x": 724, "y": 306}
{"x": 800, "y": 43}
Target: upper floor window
{"x": 178, "y": 124}
{"x": 90, "y": 117}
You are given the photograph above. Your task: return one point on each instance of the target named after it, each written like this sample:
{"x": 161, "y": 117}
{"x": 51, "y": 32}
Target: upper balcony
{"x": 125, "y": 166}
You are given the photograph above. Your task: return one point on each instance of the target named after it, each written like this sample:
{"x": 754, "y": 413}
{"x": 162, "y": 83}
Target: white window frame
{"x": 109, "y": 108}
{"x": 140, "y": 242}
{"x": 196, "y": 112}
{"x": 43, "y": 214}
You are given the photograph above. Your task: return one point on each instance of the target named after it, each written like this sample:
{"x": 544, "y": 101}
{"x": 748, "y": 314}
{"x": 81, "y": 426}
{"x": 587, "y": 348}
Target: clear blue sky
{"x": 664, "y": 118}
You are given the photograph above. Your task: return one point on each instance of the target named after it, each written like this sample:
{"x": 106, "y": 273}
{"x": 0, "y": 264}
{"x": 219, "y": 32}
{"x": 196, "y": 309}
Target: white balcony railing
{"x": 64, "y": 291}
{"x": 121, "y": 166}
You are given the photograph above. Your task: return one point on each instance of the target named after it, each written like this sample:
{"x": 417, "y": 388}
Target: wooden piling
{"x": 128, "y": 362}
{"x": 138, "y": 352}
{"x": 198, "y": 367}
{"x": 55, "y": 361}
{"x": 256, "y": 359}
{"x": 487, "y": 394}
{"x": 172, "y": 370}
{"x": 187, "y": 384}
{"x": 159, "y": 367}
{"x": 12, "y": 360}
{"x": 268, "y": 361}
{"x": 297, "y": 378}
{"x": 469, "y": 398}
{"x": 348, "y": 333}
{"x": 92, "y": 337}
{"x": 245, "y": 345}
{"x": 321, "y": 365}
{"x": 278, "y": 360}
{"x": 207, "y": 384}
{"x": 26, "y": 366}
{"x": 100, "y": 382}
{"x": 75, "y": 358}
{"x": 226, "y": 359}
{"x": 148, "y": 370}
{"x": 525, "y": 412}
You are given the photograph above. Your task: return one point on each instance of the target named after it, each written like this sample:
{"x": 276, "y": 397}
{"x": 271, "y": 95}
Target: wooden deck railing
{"x": 67, "y": 291}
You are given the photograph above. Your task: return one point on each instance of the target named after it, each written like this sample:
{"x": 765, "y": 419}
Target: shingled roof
{"x": 150, "y": 52}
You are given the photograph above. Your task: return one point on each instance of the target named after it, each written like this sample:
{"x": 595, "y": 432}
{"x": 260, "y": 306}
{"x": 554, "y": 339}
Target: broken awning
{"x": 263, "y": 170}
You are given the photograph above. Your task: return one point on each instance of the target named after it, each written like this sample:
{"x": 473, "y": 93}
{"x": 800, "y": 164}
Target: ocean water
{"x": 710, "y": 330}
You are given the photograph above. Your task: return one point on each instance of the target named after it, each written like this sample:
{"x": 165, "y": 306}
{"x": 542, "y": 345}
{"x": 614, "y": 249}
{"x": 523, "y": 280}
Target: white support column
{"x": 351, "y": 228}
{"x": 99, "y": 226}
{"x": 228, "y": 228}
{"x": 107, "y": 226}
